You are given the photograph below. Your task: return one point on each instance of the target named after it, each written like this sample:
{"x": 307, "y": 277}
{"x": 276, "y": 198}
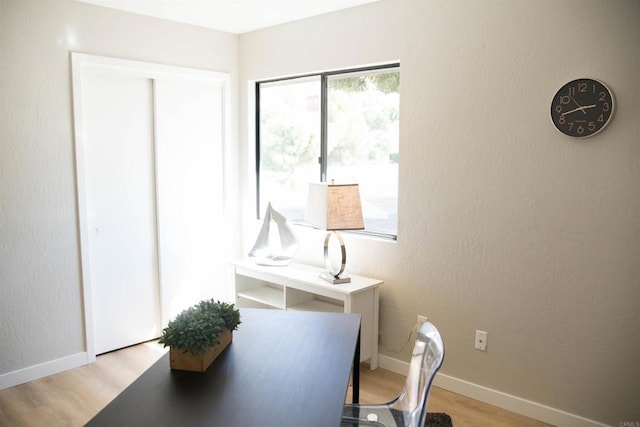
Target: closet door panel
{"x": 121, "y": 208}
{"x": 189, "y": 137}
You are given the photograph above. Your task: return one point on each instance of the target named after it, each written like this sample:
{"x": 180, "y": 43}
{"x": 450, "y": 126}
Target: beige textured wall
{"x": 41, "y": 317}
{"x": 506, "y": 225}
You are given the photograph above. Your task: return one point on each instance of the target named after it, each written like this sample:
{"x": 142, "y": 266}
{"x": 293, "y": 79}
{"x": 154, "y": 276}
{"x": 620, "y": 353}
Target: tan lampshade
{"x": 334, "y": 207}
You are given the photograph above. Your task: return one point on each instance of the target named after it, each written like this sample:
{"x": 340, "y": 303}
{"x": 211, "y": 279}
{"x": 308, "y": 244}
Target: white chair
{"x": 409, "y": 409}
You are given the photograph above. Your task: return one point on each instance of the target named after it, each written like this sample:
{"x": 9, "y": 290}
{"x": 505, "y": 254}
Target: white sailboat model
{"x": 268, "y": 252}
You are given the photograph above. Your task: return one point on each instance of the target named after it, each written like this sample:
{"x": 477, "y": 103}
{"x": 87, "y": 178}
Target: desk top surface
{"x": 282, "y": 368}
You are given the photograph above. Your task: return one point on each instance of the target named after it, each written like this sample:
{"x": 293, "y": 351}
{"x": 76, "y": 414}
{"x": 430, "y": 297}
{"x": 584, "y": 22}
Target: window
{"x": 341, "y": 126}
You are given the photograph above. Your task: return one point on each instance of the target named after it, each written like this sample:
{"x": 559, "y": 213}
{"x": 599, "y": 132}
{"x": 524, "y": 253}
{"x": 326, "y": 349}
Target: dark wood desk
{"x": 283, "y": 368}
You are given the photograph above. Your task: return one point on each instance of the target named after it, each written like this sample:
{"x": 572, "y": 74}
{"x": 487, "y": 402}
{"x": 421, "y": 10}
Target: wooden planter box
{"x": 182, "y": 361}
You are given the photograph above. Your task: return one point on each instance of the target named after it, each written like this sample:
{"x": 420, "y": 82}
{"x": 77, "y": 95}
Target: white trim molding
{"x": 41, "y": 370}
{"x": 497, "y": 398}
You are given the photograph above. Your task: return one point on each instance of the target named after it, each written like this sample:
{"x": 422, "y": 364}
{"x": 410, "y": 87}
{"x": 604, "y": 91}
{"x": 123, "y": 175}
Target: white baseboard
{"x": 41, "y": 370}
{"x": 497, "y": 398}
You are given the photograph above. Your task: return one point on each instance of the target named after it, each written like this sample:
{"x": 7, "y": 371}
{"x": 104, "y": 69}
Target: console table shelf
{"x": 266, "y": 295}
{"x": 316, "y": 305}
{"x": 299, "y": 287}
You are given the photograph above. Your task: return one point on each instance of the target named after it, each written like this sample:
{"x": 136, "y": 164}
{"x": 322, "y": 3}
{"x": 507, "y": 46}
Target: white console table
{"x": 298, "y": 287}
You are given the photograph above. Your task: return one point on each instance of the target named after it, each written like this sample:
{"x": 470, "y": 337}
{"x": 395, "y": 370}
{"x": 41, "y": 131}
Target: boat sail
{"x": 266, "y": 251}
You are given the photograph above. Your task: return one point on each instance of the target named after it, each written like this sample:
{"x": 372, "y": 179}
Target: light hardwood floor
{"x": 73, "y": 397}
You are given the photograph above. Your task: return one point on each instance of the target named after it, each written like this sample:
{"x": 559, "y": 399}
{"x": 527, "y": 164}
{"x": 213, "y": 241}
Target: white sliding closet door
{"x": 149, "y": 147}
{"x": 189, "y": 146}
{"x": 121, "y": 209}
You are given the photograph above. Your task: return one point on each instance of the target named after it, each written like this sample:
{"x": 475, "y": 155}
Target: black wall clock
{"x": 582, "y": 108}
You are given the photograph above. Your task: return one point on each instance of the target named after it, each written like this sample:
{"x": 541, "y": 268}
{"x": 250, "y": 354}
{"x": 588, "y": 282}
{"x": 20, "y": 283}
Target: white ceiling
{"x": 232, "y": 16}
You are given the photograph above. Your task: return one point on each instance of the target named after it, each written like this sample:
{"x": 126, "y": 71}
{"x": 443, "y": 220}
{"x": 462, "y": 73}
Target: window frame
{"x": 323, "y": 160}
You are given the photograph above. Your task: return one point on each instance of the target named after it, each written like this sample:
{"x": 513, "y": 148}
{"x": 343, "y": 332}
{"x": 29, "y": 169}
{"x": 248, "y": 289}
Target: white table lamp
{"x": 334, "y": 207}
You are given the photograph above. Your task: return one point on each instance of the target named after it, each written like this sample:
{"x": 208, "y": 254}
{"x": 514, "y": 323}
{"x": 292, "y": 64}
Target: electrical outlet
{"x": 421, "y": 320}
{"x": 481, "y": 340}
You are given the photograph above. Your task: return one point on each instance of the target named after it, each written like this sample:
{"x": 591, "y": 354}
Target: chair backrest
{"x": 427, "y": 357}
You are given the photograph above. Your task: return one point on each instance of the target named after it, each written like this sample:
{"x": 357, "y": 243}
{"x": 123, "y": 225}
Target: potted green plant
{"x": 199, "y": 334}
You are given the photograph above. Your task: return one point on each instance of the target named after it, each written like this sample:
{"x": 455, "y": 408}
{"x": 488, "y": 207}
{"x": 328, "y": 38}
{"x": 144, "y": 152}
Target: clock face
{"x": 582, "y": 108}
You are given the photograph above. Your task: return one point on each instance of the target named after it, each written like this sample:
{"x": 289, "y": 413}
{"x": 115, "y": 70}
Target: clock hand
{"x": 576, "y": 102}
{"x": 578, "y": 109}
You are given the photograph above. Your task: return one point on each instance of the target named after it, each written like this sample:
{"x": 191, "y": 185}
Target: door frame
{"x": 82, "y": 63}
